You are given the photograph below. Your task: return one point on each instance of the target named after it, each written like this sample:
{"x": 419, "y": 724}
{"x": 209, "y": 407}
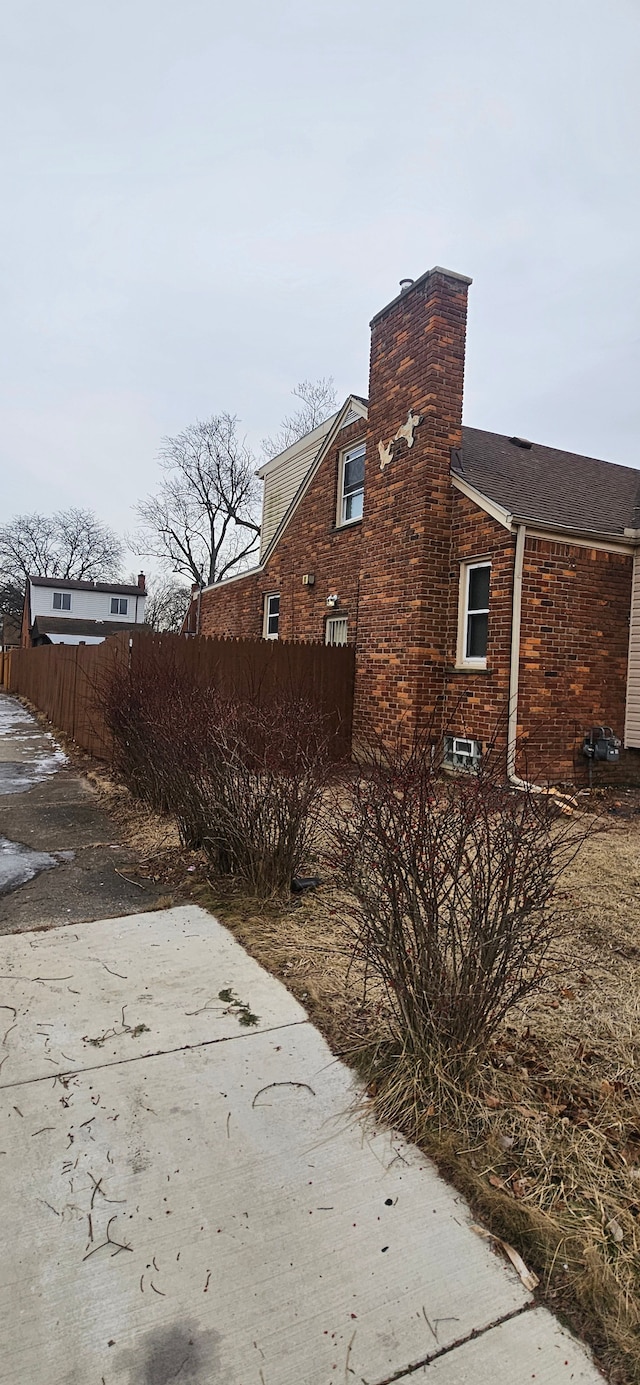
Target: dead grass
{"x": 546, "y": 1144}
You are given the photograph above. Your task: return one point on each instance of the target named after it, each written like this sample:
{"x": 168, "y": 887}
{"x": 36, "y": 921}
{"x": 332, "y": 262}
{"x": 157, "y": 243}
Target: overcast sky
{"x": 204, "y": 202}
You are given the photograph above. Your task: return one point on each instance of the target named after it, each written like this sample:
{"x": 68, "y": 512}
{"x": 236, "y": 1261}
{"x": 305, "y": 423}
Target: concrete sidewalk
{"x": 187, "y": 1197}
{"x": 60, "y": 860}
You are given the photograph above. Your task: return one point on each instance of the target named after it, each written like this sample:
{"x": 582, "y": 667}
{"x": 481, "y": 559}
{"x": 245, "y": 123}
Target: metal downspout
{"x": 514, "y": 672}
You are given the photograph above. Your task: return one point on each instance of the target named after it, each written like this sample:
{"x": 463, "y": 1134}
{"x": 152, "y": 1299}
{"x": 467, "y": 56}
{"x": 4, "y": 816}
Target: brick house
{"x": 484, "y": 580}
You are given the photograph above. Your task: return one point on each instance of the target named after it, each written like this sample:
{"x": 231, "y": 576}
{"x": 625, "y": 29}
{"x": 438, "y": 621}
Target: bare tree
{"x": 203, "y": 520}
{"x": 166, "y": 605}
{"x": 72, "y": 544}
{"x": 11, "y": 601}
{"x": 318, "y": 400}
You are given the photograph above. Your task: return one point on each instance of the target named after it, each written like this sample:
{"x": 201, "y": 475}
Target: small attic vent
{"x": 521, "y": 442}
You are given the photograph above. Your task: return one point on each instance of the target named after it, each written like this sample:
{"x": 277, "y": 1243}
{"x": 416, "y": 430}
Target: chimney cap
{"x": 437, "y": 269}
{"x": 405, "y": 284}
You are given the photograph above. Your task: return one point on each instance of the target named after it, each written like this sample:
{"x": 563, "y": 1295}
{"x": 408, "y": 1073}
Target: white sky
{"x": 203, "y": 203}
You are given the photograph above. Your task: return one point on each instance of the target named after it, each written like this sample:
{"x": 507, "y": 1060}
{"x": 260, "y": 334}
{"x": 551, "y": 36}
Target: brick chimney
{"x": 417, "y": 370}
{"x": 141, "y": 581}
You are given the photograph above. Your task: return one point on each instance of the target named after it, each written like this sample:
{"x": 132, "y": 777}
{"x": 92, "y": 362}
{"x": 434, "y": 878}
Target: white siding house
{"x": 68, "y": 612}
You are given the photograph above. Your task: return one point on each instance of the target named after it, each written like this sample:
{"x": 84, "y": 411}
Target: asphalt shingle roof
{"x": 69, "y": 584}
{"x": 549, "y": 487}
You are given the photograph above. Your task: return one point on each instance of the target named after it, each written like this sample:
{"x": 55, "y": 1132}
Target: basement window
{"x": 62, "y": 601}
{"x": 351, "y": 484}
{"x": 474, "y": 615}
{"x": 271, "y": 615}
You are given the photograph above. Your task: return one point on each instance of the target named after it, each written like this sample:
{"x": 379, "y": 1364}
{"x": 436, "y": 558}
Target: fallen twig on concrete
{"x": 281, "y": 1084}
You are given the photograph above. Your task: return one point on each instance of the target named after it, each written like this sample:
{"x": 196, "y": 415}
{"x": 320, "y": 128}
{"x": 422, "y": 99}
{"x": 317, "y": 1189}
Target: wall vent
{"x": 461, "y": 753}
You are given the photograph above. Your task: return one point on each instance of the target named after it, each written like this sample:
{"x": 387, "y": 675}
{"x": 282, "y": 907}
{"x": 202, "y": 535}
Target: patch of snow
{"x": 27, "y": 754}
{"x": 18, "y": 864}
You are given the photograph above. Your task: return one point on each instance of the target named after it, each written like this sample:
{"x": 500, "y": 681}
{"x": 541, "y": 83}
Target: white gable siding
{"x": 632, "y": 714}
{"x": 85, "y": 605}
{"x": 284, "y": 474}
{"x": 282, "y": 478}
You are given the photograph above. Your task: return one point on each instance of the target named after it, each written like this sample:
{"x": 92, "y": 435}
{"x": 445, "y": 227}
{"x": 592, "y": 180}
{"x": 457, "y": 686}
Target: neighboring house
{"x": 485, "y": 581}
{"x": 67, "y": 612}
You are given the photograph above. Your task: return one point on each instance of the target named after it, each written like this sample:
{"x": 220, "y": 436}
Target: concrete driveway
{"x": 192, "y": 1189}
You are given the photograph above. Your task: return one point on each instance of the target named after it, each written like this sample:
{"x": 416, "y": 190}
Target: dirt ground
{"x": 547, "y": 1145}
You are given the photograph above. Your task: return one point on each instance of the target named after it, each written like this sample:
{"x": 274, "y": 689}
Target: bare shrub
{"x": 452, "y": 880}
{"x": 261, "y": 790}
{"x": 244, "y": 781}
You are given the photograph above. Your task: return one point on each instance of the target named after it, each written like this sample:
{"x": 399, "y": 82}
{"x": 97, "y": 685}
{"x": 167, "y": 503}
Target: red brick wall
{"x": 476, "y": 700}
{"x": 310, "y": 544}
{"x": 417, "y": 362}
{"x": 573, "y": 654}
{"x": 573, "y": 649}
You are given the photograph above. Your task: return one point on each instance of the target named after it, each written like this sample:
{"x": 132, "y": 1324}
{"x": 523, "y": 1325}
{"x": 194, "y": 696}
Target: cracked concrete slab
{"x": 163, "y": 971}
{"x": 227, "y": 1206}
{"x": 530, "y": 1346}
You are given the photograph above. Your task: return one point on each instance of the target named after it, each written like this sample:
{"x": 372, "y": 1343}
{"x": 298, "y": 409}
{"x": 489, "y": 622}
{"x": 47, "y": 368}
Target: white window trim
{"x": 340, "y": 522}
{"x": 61, "y": 594}
{"x": 466, "y": 568}
{"x": 119, "y": 600}
{"x": 265, "y": 617}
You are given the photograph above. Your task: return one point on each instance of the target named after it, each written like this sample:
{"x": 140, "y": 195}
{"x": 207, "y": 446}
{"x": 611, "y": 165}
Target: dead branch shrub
{"x": 150, "y": 711}
{"x": 243, "y": 780}
{"x": 452, "y": 880}
{"x": 260, "y": 790}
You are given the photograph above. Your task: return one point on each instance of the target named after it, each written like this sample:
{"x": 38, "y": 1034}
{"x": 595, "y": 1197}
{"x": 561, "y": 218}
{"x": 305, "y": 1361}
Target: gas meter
{"x": 600, "y": 743}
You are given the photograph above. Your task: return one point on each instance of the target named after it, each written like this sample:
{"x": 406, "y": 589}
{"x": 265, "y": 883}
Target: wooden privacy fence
{"x": 65, "y": 681}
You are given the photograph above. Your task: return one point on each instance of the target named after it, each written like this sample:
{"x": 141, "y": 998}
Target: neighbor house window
{"x": 474, "y": 609}
{"x": 62, "y": 601}
{"x": 119, "y": 605}
{"x": 271, "y": 615}
{"x": 351, "y": 487}
{"x": 336, "y": 630}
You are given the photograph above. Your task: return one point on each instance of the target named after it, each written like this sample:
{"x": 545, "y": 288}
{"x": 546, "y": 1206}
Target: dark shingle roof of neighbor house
{"x": 548, "y": 487}
{"x": 71, "y": 585}
{"x": 61, "y": 625}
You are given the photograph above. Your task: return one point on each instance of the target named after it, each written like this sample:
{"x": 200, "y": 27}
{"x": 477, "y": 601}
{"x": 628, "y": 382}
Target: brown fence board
{"x": 64, "y": 681}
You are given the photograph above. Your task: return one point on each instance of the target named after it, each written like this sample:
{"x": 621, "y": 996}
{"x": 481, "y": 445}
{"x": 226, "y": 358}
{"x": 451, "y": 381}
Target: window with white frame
{"x": 336, "y": 630}
{"x": 119, "y": 605}
{"x": 62, "y": 601}
{"x": 474, "y": 611}
{"x": 351, "y": 487}
{"x": 271, "y": 615}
